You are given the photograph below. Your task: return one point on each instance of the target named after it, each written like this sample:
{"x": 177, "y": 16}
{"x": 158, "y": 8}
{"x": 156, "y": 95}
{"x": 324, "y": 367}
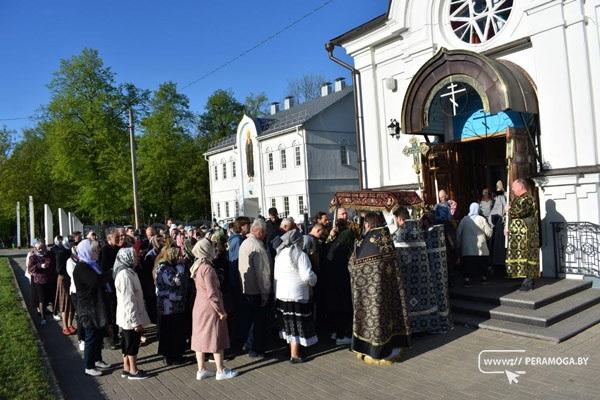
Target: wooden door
{"x": 440, "y": 171}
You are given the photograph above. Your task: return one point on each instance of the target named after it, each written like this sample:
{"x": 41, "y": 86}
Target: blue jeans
{"x": 253, "y": 323}
{"x": 93, "y": 346}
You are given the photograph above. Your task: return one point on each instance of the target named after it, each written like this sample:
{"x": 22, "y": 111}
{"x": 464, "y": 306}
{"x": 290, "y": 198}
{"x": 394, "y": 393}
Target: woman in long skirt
{"x": 294, "y": 279}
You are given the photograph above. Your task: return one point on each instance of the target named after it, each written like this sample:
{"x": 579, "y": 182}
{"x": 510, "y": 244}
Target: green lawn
{"x": 22, "y": 373}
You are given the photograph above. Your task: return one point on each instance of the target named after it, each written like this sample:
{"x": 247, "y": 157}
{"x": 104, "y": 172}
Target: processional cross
{"x": 416, "y": 149}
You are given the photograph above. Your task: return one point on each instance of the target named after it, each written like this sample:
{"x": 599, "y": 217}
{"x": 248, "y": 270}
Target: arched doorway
{"x": 483, "y": 115}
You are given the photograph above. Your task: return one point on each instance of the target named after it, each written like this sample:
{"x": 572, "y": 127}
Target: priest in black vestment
{"x": 380, "y": 326}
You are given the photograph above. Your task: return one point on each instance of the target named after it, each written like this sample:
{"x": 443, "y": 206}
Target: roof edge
{"x": 360, "y": 30}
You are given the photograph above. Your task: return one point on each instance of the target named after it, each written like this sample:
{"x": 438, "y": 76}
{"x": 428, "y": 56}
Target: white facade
{"x": 557, "y": 44}
{"x": 297, "y": 168}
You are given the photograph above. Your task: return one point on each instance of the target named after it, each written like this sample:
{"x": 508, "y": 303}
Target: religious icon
{"x": 249, "y": 156}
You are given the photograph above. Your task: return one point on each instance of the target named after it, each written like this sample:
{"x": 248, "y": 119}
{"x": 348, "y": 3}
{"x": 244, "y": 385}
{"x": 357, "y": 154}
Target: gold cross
{"x": 416, "y": 149}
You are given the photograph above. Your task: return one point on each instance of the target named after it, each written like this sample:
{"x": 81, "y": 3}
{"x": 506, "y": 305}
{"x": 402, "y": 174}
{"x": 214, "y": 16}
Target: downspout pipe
{"x": 358, "y": 114}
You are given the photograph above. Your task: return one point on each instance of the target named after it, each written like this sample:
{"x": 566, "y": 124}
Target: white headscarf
{"x": 473, "y": 210}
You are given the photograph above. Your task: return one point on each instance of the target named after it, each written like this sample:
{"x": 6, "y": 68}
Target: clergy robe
{"x": 522, "y": 258}
{"x": 380, "y": 324}
{"x": 421, "y": 299}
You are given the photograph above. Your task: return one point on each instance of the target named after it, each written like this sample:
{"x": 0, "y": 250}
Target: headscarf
{"x": 473, "y": 210}
{"x": 292, "y": 239}
{"x": 204, "y": 252}
{"x": 85, "y": 254}
{"x": 39, "y": 248}
{"x": 58, "y": 241}
{"x": 125, "y": 259}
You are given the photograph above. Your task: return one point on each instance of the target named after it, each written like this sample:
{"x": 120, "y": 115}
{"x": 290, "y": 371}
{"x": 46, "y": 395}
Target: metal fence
{"x": 577, "y": 248}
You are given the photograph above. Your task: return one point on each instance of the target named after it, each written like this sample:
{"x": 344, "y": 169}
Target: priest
{"x": 380, "y": 327}
{"x": 522, "y": 258}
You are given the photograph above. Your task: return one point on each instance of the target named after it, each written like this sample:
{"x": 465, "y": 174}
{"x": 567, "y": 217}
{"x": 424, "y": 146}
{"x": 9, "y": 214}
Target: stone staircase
{"x": 555, "y": 311}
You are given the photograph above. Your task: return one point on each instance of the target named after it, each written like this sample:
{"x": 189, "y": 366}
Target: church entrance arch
{"x": 483, "y": 115}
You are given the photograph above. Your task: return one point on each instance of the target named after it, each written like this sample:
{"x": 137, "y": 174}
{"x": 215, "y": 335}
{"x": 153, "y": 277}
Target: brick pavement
{"x": 436, "y": 367}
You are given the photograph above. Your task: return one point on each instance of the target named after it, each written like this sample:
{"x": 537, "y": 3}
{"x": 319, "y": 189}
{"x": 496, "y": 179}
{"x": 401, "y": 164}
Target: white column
{"x": 71, "y": 230}
{"x": 18, "y": 224}
{"x": 48, "y": 226}
{"x": 546, "y": 22}
{"x": 63, "y": 222}
{"x": 31, "y": 223}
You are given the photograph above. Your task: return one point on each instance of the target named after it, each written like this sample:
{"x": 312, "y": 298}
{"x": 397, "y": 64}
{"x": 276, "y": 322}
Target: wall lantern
{"x": 394, "y": 129}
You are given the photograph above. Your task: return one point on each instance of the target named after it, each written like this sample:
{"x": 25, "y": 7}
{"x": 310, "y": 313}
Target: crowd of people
{"x": 481, "y": 243}
{"x": 225, "y": 291}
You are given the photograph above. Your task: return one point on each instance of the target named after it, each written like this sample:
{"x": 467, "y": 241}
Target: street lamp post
{"x": 133, "y": 169}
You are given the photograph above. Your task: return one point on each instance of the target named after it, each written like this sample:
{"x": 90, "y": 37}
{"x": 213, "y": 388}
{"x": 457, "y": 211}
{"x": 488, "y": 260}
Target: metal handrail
{"x": 577, "y": 248}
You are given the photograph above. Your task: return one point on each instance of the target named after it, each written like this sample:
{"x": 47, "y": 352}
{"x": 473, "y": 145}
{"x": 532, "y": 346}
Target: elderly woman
{"x": 294, "y": 278}
{"x": 471, "y": 236}
{"x": 62, "y": 300}
{"x": 131, "y": 312}
{"x": 91, "y": 292}
{"x": 209, "y": 326}
{"x": 38, "y": 267}
{"x": 171, "y": 287}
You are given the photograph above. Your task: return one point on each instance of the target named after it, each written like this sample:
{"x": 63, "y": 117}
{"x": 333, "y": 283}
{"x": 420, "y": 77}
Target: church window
{"x": 226, "y": 209}
{"x": 237, "y": 206}
{"x": 216, "y": 173}
{"x": 270, "y": 161}
{"x": 301, "y": 204}
{"x": 298, "y": 159}
{"x": 283, "y": 159}
{"x": 224, "y": 171}
{"x": 344, "y": 156}
{"x": 286, "y": 205}
{"x": 274, "y": 202}
{"x": 233, "y": 171}
{"x": 477, "y": 21}
{"x": 218, "y": 210}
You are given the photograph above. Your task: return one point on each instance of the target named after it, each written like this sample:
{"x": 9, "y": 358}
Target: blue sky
{"x": 151, "y": 41}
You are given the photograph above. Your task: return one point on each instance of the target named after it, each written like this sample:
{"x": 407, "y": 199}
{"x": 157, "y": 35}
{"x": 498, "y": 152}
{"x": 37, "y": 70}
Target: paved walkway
{"x": 436, "y": 367}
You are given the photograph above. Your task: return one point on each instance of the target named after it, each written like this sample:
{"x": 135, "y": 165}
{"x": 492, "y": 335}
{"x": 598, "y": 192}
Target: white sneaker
{"x": 345, "y": 341}
{"x": 81, "y": 345}
{"x": 203, "y": 374}
{"x": 92, "y": 372}
{"x": 226, "y": 374}
{"x": 102, "y": 365}
{"x": 56, "y": 317}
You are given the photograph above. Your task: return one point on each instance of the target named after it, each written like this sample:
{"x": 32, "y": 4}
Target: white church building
{"x": 293, "y": 159}
{"x": 495, "y": 90}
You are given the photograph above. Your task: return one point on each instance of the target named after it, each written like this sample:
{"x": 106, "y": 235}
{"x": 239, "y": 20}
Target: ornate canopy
{"x": 501, "y": 85}
{"x": 375, "y": 201}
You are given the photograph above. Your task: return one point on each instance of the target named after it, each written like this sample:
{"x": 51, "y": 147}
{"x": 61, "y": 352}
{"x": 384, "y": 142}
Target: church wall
{"x": 592, "y": 11}
{"x": 224, "y": 190}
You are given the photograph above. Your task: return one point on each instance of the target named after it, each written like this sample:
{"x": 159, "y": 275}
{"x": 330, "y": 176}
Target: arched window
{"x": 282, "y": 157}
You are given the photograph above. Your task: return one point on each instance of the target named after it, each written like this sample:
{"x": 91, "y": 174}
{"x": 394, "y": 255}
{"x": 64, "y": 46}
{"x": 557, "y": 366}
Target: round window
{"x": 477, "y": 21}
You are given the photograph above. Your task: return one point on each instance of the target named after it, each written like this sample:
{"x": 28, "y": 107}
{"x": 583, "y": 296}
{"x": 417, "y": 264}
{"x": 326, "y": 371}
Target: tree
{"x": 164, "y": 153}
{"x": 6, "y": 142}
{"x": 26, "y": 173}
{"x": 255, "y": 105}
{"x": 305, "y": 88}
{"x": 221, "y": 115}
{"x": 87, "y": 138}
